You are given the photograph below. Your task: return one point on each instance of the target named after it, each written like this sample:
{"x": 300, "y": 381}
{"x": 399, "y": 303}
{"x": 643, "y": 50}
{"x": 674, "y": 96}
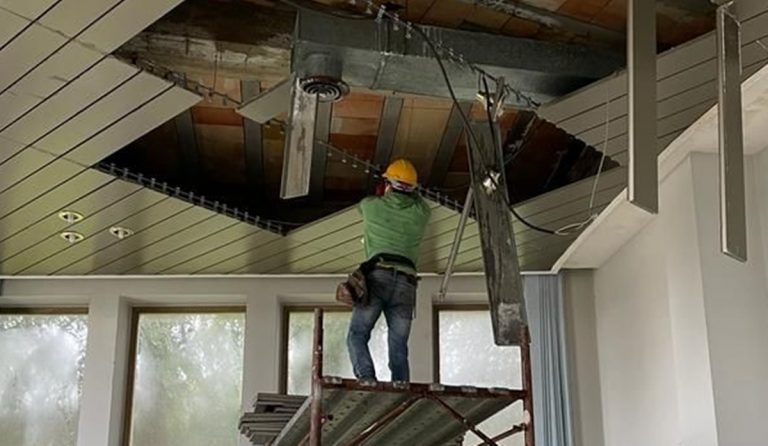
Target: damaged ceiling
{"x": 124, "y": 111}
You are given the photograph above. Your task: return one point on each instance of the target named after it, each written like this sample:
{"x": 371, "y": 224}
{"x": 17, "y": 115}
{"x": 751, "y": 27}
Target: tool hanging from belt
{"x": 355, "y": 289}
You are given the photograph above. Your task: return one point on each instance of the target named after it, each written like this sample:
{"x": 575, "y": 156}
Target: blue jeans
{"x": 389, "y": 292}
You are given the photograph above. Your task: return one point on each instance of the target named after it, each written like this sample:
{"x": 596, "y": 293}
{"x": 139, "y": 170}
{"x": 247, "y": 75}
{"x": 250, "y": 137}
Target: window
{"x": 41, "y": 377}
{"x": 298, "y": 355}
{"x": 187, "y": 383}
{"x": 468, "y": 356}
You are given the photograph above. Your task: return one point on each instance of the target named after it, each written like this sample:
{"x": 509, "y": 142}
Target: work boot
{"x": 367, "y": 382}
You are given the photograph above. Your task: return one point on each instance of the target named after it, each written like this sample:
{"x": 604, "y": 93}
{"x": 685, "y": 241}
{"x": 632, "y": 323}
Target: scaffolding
{"x": 398, "y": 408}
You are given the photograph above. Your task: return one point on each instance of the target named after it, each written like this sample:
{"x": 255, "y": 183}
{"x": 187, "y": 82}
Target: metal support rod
{"x": 456, "y": 243}
{"x": 643, "y": 187}
{"x": 468, "y": 424}
{"x": 515, "y": 430}
{"x": 525, "y": 353}
{"x": 733, "y": 216}
{"x": 316, "y": 419}
{"x": 380, "y": 423}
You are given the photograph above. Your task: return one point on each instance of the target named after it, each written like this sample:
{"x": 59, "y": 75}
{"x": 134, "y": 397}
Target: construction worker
{"x": 393, "y": 227}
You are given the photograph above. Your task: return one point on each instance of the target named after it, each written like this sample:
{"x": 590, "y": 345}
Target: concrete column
{"x": 103, "y": 400}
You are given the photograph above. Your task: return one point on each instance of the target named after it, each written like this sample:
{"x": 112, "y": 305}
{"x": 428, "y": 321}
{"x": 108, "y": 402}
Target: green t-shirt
{"x": 394, "y": 224}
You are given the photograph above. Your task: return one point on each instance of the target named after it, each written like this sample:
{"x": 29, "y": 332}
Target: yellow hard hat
{"x": 402, "y": 171}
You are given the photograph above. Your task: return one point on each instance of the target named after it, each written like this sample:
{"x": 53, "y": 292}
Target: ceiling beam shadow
{"x": 253, "y": 144}
{"x": 454, "y": 128}
{"x": 190, "y": 155}
{"x": 385, "y": 140}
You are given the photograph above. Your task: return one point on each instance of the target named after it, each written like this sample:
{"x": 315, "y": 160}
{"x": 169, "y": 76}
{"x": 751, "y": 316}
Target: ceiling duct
{"x": 321, "y": 76}
{"x": 379, "y": 56}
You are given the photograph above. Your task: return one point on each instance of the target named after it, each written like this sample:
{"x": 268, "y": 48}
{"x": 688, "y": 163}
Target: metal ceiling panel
{"x": 253, "y": 241}
{"x": 125, "y": 21}
{"x": 105, "y": 257}
{"x": 30, "y": 9}
{"x": 23, "y": 208}
{"x": 25, "y": 51}
{"x": 14, "y": 104}
{"x": 71, "y": 17}
{"x": 135, "y": 125}
{"x": 181, "y": 237}
{"x": 236, "y": 231}
{"x": 163, "y": 209}
{"x": 121, "y": 102}
{"x": 67, "y": 103}
{"x": 686, "y": 86}
{"x": 17, "y": 262}
{"x": 18, "y": 167}
{"x": 10, "y": 25}
{"x": 239, "y": 262}
{"x": 87, "y": 204}
{"x": 56, "y": 72}
{"x": 40, "y": 182}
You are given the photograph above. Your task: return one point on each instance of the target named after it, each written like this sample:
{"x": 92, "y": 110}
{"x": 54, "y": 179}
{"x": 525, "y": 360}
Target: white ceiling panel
{"x": 26, "y": 51}
{"x": 54, "y": 73}
{"x": 18, "y": 216}
{"x": 16, "y": 262}
{"x": 20, "y": 166}
{"x": 130, "y": 128}
{"x": 125, "y": 21}
{"x": 235, "y": 230}
{"x": 184, "y": 236}
{"x": 31, "y": 9}
{"x": 9, "y": 148}
{"x": 29, "y": 189}
{"x": 10, "y": 25}
{"x": 89, "y": 88}
{"x": 70, "y": 17}
{"x": 138, "y": 245}
{"x": 87, "y": 204}
{"x": 138, "y": 222}
{"x": 109, "y": 109}
{"x": 14, "y": 104}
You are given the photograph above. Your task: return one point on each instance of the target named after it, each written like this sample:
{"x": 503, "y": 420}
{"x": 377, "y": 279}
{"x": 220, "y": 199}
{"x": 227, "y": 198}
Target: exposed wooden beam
{"x": 385, "y": 142}
{"x": 454, "y": 128}
{"x": 253, "y": 144}
{"x": 190, "y": 156}
{"x": 319, "y": 152}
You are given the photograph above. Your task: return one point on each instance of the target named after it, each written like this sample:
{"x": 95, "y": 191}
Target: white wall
{"x": 681, "y": 328}
{"x": 581, "y": 334}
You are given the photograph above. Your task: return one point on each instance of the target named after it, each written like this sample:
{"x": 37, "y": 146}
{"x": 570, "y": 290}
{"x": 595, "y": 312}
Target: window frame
{"x": 285, "y": 321}
{"x": 44, "y": 311}
{"x": 133, "y": 340}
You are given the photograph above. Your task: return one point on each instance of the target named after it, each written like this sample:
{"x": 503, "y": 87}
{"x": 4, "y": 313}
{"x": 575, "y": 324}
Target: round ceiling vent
{"x": 120, "y": 232}
{"x": 328, "y": 89}
{"x": 72, "y": 236}
{"x": 70, "y": 217}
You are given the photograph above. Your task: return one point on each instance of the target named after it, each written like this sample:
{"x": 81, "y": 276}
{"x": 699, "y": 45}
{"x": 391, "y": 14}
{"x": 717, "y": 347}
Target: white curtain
{"x": 546, "y": 319}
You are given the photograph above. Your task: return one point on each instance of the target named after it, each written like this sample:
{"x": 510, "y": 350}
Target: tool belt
{"x": 355, "y": 289}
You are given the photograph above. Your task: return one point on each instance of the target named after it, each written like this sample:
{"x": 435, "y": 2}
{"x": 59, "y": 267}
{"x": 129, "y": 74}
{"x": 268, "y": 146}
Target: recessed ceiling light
{"x": 72, "y": 236}
{"x": 70, "y": 217}
{"x": 120, "y": 232}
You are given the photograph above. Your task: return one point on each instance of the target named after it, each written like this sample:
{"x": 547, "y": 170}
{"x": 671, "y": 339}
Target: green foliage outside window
{"x": 42, "y": 358}
{"x": 188, "y": 379}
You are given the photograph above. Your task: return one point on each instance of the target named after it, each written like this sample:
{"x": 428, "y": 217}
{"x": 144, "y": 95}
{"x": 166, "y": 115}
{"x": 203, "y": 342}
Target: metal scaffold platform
{"x": 344, "y": 412}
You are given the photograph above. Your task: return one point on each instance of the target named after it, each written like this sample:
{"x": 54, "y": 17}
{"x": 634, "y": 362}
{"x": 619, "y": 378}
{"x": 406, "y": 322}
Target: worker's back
{"x": 394, "y": 224}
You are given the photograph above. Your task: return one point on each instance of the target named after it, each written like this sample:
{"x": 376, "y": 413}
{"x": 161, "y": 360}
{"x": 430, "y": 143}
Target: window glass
{"x": 41, "y": 374}
{"x": 335, "y": 357}
{"x": 468, "y": 356}
{"x": 188, "y": 379}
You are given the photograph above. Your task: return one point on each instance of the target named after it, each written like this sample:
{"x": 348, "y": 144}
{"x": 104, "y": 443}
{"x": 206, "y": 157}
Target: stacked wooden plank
{"x": 271, "y": 412}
